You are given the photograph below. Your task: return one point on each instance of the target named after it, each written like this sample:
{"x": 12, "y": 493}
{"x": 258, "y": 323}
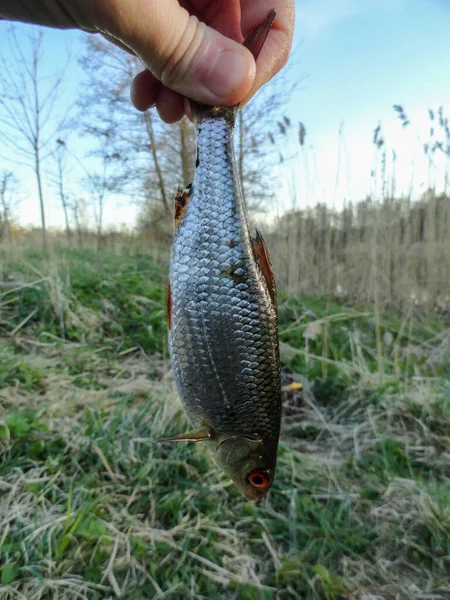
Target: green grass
{"x": 91, "y": 507}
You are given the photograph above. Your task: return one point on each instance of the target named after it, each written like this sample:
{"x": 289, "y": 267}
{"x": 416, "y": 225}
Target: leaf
{"x": 322, "y": 573}
{"x": 91, "y": 527}
{"x": 9, "y": 573}
{"x": 4, "y": 432}
{"x": 290, "y": 565}
{"x": 35, "y": 571}
{"x": 18, "y": 425}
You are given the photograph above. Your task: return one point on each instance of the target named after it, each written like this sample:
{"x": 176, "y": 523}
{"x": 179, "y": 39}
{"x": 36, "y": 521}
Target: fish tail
{"x": 253, "y": 42}
{"x": 256, "y": 38}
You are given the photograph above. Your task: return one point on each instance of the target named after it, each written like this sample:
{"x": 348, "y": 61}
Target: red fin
{"x": 263, "y": 258}
{"x": 169, "y": 306}
{"x": 255, "y": 40}
{"x": 181, "y": 200}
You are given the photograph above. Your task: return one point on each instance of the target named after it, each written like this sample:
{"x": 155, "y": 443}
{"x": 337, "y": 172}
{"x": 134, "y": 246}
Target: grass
{"x": 91, "y": 508}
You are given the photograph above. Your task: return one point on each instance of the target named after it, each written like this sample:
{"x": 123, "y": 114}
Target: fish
{"x": 222, "y": 309}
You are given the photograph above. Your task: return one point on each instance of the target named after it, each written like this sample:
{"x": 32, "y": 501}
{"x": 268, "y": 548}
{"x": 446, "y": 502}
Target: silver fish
{"x": 223, "y": 332}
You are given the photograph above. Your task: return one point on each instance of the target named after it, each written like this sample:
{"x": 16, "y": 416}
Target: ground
{"x": 92, "y": 507}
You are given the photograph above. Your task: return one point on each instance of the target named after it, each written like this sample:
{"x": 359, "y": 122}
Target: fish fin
{"x": 256, "y": 38}
{"x": 182, "y": 198}
{"x": 263, "y": 259}
{"x": 202, "y": 434}
{"x": 169, "y": 305}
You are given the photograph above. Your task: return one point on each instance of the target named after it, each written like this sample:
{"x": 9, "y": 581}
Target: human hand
{"x": 192, "y": 48}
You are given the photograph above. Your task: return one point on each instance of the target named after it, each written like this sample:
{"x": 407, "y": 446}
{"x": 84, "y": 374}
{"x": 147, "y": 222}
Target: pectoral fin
{"x": 202, "y": 434}
{"x": 263, "y": 258}
{"x": 181, "y": 201}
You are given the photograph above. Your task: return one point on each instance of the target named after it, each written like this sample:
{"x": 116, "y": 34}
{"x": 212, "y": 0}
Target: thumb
{"x": 186, "y": 55}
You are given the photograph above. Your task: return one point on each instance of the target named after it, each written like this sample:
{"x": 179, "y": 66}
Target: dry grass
{"x": 395, "y": 253}
{"x": 91, "y": 508}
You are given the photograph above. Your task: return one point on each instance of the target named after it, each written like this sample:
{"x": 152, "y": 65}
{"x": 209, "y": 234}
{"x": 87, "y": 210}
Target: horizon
{"x": 376, "y": 62}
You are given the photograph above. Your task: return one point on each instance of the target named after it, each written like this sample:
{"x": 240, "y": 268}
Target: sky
{"x": 359, "y": 58}
{"x": 352, "y": 60}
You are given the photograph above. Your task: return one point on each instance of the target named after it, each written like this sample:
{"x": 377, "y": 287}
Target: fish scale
{"x": 223, "y": 338}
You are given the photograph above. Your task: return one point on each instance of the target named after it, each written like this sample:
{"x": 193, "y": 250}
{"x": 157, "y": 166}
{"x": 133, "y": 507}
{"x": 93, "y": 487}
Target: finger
{"x": 144, "y": 90}
{"x": 170, "y": 105}
{"x": 275, "y": 51}
{"x": 224, "y": 17}
{"x": 186, "y": 55}
{"x": 117, "y": 43}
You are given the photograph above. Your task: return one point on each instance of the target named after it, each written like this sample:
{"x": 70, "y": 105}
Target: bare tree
{"x": 103, "y": 180}
{"x": 8, "y": 199}
{"x": 27, "y": 108}
{"x": 152, "y": 146}
{"x": 58, "y": 180}
{"x": 156, "y": 160}
{"x": 186, "y": 145}
{"x": 160, "y": 157}
{"x": 78, "y": 207}
{"x": 263, "y": 141}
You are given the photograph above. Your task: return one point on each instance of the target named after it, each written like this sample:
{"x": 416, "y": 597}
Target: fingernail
{"x": 230, "y": 73}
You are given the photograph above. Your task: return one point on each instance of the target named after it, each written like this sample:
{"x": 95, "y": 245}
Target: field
{"x": 92, "y": 508}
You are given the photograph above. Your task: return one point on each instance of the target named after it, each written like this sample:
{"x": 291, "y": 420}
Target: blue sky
{"x": 353, "y": 59}
{"x": 360, "y": 57}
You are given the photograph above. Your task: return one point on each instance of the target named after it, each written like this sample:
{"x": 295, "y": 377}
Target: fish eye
{"x": 258, "y": 478}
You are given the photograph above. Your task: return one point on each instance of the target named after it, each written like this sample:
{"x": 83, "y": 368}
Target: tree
{"x": 137, "y": 137}
{"x": 101, "y": 182}
{"x": 261, "y": 135}
{"x": 27, "y": 107}
{"x": 161, "y": 157}
{"x": 59, "y": 182}
{"x": 78, "y": 207}
{"x": 8, "y": 199}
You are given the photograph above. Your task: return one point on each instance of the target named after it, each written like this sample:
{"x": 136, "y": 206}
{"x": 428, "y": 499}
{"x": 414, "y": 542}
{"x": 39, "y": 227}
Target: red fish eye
{"x": 258, "y": 478}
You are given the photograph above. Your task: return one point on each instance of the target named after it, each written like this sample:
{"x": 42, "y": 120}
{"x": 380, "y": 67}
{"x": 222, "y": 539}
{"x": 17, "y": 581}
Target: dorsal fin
{"x": 263, "y": 258}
